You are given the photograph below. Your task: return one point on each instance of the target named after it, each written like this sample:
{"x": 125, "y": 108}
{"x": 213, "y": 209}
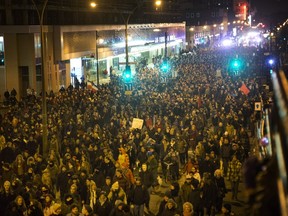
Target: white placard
{"x": 258, "y": 106}
{"x": 137, "y": 123}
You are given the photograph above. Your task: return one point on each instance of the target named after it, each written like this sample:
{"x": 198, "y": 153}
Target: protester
{"x": 185, "y": 121}
{"x": 234, "y": 175}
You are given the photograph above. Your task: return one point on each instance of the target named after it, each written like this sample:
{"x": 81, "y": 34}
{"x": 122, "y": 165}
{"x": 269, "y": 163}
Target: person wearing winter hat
{"x": 87, "y": 210}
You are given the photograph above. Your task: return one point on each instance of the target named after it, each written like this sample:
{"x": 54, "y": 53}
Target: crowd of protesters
{"x": 98, "y": 164}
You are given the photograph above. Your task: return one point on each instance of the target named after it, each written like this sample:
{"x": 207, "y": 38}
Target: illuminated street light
{"x": 93, "y": 4}
{"x": 158, "y": 3}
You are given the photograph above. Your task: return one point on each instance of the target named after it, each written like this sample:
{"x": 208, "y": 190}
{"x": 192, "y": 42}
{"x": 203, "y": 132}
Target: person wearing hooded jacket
{"x": 170, "y": 208}
{"x": 117, "y": 193}
{"x": 120, "y": 209}
{"x": 167, "y": 196}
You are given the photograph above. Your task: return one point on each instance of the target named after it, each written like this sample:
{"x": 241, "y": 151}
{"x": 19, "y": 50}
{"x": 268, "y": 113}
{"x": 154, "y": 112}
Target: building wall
{"x": 2, "y": 83}
{"x": 23, "y": 56}
{"x": 11, "y": 61}
{"x": 26, "y": 57}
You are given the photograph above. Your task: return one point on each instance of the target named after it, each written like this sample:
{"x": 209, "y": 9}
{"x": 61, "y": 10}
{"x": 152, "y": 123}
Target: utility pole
{"x": 45, "y": 147}
{"x": 97, "y": 57}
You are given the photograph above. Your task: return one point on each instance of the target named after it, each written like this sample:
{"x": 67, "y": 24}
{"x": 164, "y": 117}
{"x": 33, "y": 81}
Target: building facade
{"x": 69, "y": 52}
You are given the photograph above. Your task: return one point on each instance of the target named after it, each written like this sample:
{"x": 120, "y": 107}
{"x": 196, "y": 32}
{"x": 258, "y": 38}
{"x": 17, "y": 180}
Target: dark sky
{"x": 270, "y": 11}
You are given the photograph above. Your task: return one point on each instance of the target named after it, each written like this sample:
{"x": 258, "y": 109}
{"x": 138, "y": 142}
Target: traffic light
{"x": 236, "y": 64}
{"x": 271, "y": 62}
{"x": 165, "y": 66}
{"x": 127, "y": 74}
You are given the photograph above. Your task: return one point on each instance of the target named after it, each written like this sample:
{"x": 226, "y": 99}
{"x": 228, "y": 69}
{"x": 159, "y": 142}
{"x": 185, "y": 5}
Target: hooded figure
{"x": 170, "y": 208}
{"x": 117, "y": 193}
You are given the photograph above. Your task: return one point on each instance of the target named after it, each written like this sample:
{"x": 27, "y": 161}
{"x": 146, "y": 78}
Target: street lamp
{"x": 127, "y": 68}
{"x": 43, "y": 67}
{"x": 126, "y": 21}
{"x": 93, "y": 4}
{"x": 97, "y": 58}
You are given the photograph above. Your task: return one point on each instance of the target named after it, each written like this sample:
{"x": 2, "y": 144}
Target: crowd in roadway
{"x": 98, "y": 164}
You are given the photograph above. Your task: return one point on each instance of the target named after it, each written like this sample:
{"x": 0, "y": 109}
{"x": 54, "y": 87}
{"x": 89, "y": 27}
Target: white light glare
{"x": 271, "y": 61}
{"x": 227, "y": 42}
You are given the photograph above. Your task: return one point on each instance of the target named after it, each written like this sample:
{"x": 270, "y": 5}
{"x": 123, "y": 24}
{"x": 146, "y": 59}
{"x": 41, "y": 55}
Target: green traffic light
{"x": 127, "y": 75}
{"x": 236, "y": 64}
{"x": 165, "y": 66}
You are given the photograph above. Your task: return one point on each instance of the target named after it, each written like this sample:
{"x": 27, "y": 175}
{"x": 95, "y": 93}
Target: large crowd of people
{"x": 196, "y": 125}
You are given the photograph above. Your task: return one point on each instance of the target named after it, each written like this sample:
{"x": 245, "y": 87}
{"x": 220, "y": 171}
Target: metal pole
{"x": 45, "y": 147}
{"x": 126, "y": 43}
{"x": 126, "y": 36}
{"x": 44, "y": 103}
{"x": 97, "y": 59}
{"x": 165, "y": 51}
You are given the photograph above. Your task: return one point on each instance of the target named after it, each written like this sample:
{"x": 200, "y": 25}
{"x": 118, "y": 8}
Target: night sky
{"x": 270, "y": 11}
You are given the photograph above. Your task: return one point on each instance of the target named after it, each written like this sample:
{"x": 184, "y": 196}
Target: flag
{"x": 244, "y": 89}
{"x": 91, "y": 86}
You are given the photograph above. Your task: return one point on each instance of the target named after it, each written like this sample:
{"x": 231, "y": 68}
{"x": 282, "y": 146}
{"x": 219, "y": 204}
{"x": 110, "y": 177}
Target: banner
{"x": 244, "y": 89}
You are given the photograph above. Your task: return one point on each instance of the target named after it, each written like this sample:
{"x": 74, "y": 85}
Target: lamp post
{"x": 93, "y": 5}
{"x": 43, "y": 86}
{"x": 126, "y": 37}
{"x": 157, "y": 4}
{"x": 97, "y": 58}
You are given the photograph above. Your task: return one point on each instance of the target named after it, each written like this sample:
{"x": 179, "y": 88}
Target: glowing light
{"x": 93, "y": 4}
{"x": 271, "y": 61}
{"x": 100, "y": 40}
{"x": 158, "y": 3}
{"x": 227, "y": 42}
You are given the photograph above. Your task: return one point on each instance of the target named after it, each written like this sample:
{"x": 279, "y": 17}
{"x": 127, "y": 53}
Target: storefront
{"x": 70, "y": 52}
